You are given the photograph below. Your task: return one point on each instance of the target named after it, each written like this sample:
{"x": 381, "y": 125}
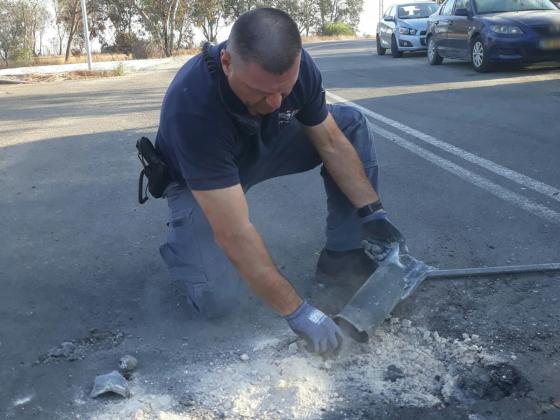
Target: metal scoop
{"x": 396, "y": 278}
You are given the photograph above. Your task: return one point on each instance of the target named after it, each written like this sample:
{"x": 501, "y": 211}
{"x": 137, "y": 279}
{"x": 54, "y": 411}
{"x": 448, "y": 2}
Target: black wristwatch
{"x": 370, "y": 209}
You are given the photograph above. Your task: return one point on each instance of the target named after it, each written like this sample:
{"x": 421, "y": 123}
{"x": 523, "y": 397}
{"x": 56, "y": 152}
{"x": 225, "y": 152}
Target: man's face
{"x": 260, "y": 91}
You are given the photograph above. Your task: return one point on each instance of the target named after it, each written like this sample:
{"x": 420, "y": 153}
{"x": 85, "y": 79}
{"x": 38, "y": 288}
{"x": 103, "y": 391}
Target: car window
{"x": 447, "y": 8}
{"x": 463, "y": 4}
{"x": 416, "y": 11}
{"x": 388, "y": 12}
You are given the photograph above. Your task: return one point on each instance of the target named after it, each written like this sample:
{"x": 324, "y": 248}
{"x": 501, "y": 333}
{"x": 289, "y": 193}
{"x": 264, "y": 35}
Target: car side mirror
{"x": 462, "y": 12}
{"x": 389, "y": 19}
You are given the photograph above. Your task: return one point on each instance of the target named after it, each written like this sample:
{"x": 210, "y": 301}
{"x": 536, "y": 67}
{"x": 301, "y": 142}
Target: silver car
{"x": 403, "y": 27}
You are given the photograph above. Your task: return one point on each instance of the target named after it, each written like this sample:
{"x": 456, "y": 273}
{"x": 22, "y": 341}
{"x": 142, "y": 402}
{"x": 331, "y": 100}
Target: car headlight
{"x": 407, "y": 31}
{"x": 506, "y": 29}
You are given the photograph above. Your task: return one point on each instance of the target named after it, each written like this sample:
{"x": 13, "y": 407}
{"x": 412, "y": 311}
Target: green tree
{"x": 70, "y": 16}
{"x": 19, "y": 22}
{"x": 235, "y": 8}
{"x": 346, "y": 11}
{"x": 208, "y": 15}
{"x": 60, "y": 27}
{"x": 184, "y": 25}
{"x": 38, "y": 21}
{"x": 159, "y": 18}
{"x": 122, "y": 14}
{"x": 307, "y": 16}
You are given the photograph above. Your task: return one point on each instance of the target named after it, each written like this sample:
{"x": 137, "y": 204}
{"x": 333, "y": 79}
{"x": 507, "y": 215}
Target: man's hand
{"x": 317, "y": 329}
{"x": 380, "y": 229}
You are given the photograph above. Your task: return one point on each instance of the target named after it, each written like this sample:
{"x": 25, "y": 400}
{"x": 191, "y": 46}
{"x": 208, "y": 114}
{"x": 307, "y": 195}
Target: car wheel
{"x": 395, "y": 48}
{"x": 433, "y": 56}
{"x": 479, "y": 56}
{"x": 380, "y": 49}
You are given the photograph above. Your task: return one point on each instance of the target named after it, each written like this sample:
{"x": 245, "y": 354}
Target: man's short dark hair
{"x": 266, "y": 36}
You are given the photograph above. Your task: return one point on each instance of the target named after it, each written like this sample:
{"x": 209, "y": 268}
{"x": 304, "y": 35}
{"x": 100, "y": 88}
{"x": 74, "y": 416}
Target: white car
{"x": 403, "y": 27}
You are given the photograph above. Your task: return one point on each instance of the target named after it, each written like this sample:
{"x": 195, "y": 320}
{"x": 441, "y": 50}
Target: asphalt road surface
{"x": 469, "y": 172}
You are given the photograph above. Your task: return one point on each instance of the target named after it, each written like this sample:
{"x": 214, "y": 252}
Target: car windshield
{"x": 497, "y": 6}
{"x": 416, "y": 11}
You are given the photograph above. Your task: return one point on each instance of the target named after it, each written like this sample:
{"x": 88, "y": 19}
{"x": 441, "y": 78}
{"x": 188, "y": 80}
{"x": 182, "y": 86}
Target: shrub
{"x": 145, "y": 49}
{"x": 119, "y": 70}
{"x": 336, "y": 29}
{"x": 124, "y": 42}
{"x": 23, "y": 57}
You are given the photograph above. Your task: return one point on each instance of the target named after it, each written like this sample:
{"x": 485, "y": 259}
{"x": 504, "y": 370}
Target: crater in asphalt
{"x": 96, "y": 340}
{"x": 494, "y": 382}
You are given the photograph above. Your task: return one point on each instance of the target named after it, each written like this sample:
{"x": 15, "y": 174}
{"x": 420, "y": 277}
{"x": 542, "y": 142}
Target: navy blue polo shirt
{"x": 199, "y": 136}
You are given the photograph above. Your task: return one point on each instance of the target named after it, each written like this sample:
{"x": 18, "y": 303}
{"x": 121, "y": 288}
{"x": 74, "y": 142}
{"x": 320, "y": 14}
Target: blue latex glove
{"x": 317, "y": 329}
{"x": 379, "y": 229}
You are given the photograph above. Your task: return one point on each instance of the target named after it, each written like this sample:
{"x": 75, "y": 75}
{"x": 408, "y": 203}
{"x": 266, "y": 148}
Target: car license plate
{"x": 550, "y": 44}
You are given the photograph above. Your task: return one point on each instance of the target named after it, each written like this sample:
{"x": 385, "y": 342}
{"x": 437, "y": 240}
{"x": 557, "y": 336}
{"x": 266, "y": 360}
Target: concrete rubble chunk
{"x": 244, "y": 357}
{"x": 293, "y": 348}
{"x": 110, "y": 382}
{"x": 128, "y": 363}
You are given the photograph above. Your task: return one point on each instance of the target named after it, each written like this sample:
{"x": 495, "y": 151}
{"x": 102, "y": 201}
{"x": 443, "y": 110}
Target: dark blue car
{"x": 486, "y": 31}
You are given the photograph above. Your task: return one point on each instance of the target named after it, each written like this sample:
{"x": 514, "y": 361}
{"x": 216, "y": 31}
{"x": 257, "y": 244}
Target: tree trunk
{"x": 70, "y": 36}
{"x": 180, "y": 39}
{"x": 172, "y": 27}
{"x": 73, "y": 28}
{"x": 60, "y": 42}
{"x": 41, "y": 41}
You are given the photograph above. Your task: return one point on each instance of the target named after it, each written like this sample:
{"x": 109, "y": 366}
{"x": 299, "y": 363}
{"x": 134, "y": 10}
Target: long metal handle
{"x": 493, "y": 271}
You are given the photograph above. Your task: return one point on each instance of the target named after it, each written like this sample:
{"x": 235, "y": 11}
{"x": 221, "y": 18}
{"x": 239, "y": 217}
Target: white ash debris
{"x": 401, "y": 365}
{"x": 303, "y": 385}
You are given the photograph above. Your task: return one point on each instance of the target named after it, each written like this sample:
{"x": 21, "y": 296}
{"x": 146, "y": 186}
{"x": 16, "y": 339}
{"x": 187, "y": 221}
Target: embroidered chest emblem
{"x": 286, "y": 116}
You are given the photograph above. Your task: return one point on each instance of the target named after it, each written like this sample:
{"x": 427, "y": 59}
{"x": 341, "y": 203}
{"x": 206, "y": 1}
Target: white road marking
{"x": 524, "y": 180}
{"x": 381, "y": 92}
{"x": 516, "y": 199}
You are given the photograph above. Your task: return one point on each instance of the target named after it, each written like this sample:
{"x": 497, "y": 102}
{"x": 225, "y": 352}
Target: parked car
{"x": 487, "y": 31}
{"x": 403, "y": 27}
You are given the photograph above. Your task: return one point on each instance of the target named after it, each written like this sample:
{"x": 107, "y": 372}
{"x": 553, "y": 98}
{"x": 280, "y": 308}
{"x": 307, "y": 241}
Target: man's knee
{"x": 355, "y": 126}
{"x": 211, "y": 296}
{"x": 348, "y": 118}
{"x": 211, "y": 304}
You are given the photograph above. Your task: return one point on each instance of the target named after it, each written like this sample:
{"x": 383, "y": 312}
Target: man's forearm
{"x": 347, "y": 170}
{"x": 247, "y": 251}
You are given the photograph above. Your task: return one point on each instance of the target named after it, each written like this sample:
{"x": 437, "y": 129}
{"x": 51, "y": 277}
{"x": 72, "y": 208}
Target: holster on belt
{"x": 154, "y": 169}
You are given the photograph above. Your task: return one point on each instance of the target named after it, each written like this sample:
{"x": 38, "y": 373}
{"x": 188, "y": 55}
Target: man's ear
{"x": 226, "y": 59}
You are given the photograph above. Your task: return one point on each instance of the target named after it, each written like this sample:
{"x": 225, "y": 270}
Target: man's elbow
{"x": 228, "y": 237}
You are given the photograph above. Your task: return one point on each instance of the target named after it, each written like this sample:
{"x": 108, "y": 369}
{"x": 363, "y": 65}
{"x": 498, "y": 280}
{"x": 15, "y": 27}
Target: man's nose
{"x": 274, "y": 101}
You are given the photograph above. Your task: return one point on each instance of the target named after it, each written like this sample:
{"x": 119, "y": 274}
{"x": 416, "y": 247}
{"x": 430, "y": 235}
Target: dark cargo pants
{"x": 192, "y": 255}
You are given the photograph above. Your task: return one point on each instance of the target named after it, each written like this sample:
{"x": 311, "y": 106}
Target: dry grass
{"x": 55, "y": 77}
{"x": 48, "y": 60}
{"x": 59, "y": 59}
{"x": 319, "y": 38}
{"x": 185, "y": 52}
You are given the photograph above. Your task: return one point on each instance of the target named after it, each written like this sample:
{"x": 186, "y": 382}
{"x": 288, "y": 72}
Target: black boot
{"x": 339, "y": 275}
{"x": 337, "y": 268}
